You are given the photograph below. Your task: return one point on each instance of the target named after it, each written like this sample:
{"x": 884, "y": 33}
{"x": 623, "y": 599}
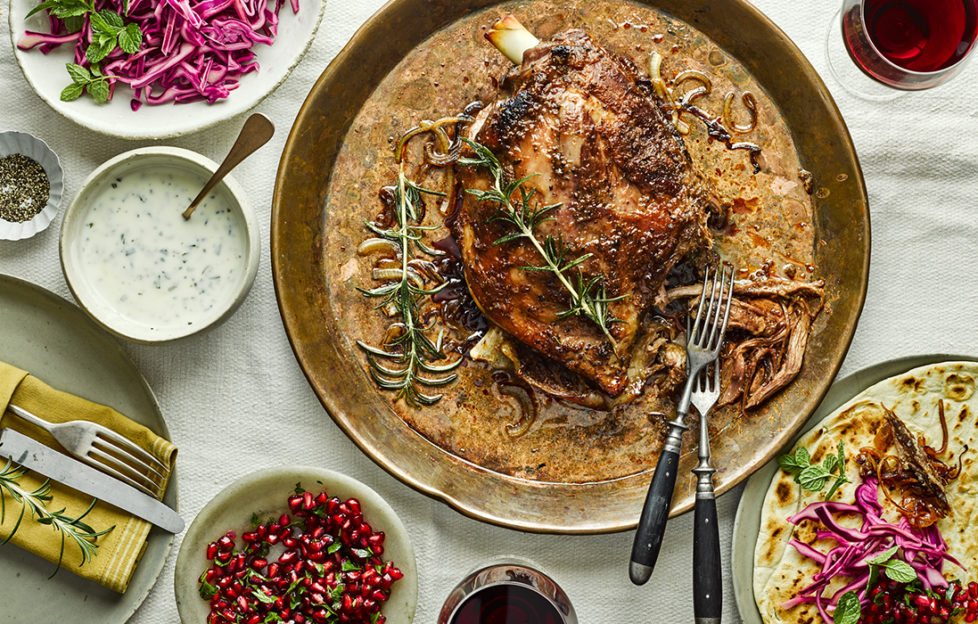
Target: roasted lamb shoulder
{"x": 589, "y": 128}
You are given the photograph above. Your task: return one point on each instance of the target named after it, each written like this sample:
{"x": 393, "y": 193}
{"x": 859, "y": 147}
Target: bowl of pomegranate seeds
{"x": 295, "y": 546}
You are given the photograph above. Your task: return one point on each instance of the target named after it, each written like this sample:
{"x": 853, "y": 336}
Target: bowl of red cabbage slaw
{"x": 151, "y": 69}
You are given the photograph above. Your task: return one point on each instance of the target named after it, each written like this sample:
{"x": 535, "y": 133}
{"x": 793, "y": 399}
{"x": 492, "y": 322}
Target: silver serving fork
{"x": 704, "y": 335}
{"x": 104, "y": 449}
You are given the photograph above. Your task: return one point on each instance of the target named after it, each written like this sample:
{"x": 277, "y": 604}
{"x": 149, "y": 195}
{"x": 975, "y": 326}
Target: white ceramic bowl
{"x": 87, "y": 275}
{"x": 47, "y": 76}
{"x": 37, "y": 150}
{"x": 266, "y": 493}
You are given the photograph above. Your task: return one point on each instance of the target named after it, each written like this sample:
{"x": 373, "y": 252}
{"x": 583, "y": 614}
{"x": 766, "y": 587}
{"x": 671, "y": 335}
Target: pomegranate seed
{"x": 306, "y": 569}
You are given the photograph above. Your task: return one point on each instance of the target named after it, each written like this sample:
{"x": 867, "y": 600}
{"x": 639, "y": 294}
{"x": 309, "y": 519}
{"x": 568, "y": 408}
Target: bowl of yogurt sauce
{"x": 137, "y": 266}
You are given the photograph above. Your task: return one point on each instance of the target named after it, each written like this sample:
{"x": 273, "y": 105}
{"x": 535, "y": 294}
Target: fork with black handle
{"x": 704, "y": 335}
{"x": 707, "y": 588}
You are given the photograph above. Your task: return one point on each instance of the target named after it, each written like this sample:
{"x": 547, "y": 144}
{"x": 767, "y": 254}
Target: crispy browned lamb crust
{"x": 592, "y": 131}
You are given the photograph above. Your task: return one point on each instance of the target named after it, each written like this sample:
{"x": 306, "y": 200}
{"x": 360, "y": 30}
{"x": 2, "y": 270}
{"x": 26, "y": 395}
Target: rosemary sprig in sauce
{"x": 81, "y": 533}
{"x": 404, "y": 363}
{"x": 518, "y": 208}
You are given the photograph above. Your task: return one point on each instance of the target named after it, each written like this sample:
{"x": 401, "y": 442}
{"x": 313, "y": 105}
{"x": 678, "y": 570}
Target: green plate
{"x": 747, "y": 524}
{"x": 53, "y": 339}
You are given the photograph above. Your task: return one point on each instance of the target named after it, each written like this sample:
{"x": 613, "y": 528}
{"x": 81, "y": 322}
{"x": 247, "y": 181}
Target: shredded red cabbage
{"x": 190, "y": 51}
{"x": 924, "y": 549}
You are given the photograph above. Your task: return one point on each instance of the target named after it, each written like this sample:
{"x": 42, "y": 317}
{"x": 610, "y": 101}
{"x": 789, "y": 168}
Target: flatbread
{"x": 779, "y": 571}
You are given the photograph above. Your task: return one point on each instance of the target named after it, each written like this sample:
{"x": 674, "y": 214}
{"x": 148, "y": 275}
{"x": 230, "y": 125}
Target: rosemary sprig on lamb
{"x": 519, "y": 208}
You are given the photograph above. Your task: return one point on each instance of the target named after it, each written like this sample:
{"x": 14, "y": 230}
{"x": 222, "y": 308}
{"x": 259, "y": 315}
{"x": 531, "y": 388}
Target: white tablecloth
{"x": 235, "y": 400}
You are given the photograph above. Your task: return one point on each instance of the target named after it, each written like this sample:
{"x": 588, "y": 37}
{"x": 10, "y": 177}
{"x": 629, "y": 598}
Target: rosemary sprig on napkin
{"x": 36, "y": 501}
{"x": 518, "y": 208}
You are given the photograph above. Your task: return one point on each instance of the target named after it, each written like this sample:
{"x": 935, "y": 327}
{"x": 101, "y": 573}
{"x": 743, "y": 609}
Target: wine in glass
{"x": 507, "y": 591}
{"x": 876, "y": 46}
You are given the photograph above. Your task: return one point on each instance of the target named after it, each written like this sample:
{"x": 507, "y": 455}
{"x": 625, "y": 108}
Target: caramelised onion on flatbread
{"x": 780, "y": 572}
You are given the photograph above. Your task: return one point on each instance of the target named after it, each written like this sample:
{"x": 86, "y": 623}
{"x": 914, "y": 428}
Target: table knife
{"x": 31, "y": 454}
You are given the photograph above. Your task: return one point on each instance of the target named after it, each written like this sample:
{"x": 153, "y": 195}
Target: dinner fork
{"x": 707, "y": 587}
{"x": 104, "y": 449}
{"x": 704, "y": 336}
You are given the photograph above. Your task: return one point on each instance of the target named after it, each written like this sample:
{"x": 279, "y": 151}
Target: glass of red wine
{"x": 879, "y": 48}
{"x": 507, "y": 591}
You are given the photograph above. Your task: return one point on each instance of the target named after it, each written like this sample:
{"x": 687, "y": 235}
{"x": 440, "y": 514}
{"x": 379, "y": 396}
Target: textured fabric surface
{"x": 235, "y": 398}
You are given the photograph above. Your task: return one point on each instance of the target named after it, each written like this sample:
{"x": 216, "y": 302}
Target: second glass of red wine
{"x": 878, "y": 49}
{"x": 507, "y": 591}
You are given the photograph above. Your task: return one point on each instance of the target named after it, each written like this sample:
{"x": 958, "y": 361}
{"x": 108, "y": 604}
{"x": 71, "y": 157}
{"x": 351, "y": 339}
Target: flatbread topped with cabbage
{"x": 908, "y": 536}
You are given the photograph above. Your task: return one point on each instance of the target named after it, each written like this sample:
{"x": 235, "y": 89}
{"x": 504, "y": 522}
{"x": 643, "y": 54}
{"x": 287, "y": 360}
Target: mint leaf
{"x": 130, "y": 38}
{"x": 900, "y": 571}
{"x": 788, "y": 463}
{"x": 793, "y": 462}
{"x": 111, "y": 18}
{"x": 73, "y": 23}
{"x": 874, "y": 577}
{"x": 813, "y": 478}
{"x": 72, "y": 92}
{"x": 99, "y": 24}
{"x": 99, "y": 90}
{"x": 99, "y": 49}
{"x": 63, "y": 8}
{"x": 803, "y": 457}
{"x": 830, "y": 463}
{"x": 79, "y": 75}
{"x": 883, "y": 557}
{"x": 847, "y": 611}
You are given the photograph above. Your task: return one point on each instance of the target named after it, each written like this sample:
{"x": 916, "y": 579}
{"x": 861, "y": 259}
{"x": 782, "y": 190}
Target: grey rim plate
{"x": 748, "y": 521}
{"x": 53, "y": 339}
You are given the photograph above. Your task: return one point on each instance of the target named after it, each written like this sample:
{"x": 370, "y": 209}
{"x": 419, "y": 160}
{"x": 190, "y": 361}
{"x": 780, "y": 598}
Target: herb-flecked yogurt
{"x": 148, "y": 263}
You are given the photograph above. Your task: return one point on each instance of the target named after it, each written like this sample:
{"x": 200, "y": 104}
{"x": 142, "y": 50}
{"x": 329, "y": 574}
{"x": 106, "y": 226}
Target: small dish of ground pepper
{"x": 31, "y": 185}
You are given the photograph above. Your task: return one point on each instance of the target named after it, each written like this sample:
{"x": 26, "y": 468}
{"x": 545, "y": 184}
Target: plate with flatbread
{"x": 866, "y": 516}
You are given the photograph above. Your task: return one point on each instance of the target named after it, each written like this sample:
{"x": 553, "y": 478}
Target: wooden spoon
{"x": 255, "y": 132}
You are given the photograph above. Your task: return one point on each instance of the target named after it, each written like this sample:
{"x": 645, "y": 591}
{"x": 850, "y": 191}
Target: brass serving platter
{"x": 314, "y": 288}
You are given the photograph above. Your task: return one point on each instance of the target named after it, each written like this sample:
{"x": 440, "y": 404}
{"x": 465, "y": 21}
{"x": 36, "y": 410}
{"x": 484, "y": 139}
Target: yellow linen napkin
{"x": 118, "y": 551}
